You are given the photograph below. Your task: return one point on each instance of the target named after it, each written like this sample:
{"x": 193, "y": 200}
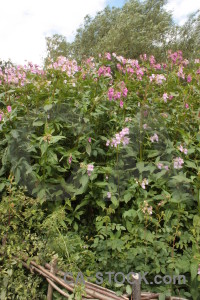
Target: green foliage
{"x": 106, "y": 184}
{"x": 138, "y": 27}
{"x": 189, "y": 40}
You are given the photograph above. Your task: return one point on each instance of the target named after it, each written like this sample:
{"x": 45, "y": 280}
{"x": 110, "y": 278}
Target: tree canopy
{"x": 138, "y": 27}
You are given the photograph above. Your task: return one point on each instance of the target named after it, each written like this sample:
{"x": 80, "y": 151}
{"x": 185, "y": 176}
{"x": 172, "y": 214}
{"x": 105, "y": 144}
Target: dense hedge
{"x": 100, "y": 164}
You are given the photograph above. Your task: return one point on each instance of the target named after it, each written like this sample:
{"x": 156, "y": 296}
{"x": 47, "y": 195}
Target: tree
{"x": 138, "y": 27}
{"x": 56, "y": 45}
{"x": 89, "y": 36}
{"x": 189, "y": 40}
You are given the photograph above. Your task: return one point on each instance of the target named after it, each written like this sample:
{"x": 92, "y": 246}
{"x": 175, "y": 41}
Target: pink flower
{"x": 90, "y": 168}
{"x": 109, "y": 194}
{"x": 189, "y": 78}
{"x": 117, "y": 95}
{"x": 198, "y": 270}
{"x": 154, "y": 138}
{"x": 110, "y": 93}
{"x": 9, "y": 109}
{"x": 125, "y": 92}
{"x": 159, "y": 165}
{"x": 120, "y": 138}
{"x": 178, "y": 161}
{"x": 121, "y": 104}
{"x": 186, "y": 105}
{"x": 89, "y": 140}
{"x": 108, "y": 56}
{"x": 144, "y": 183}
{"x": 184, "y": 150}
{"x": 145, "y": 126}
{"x": 165, "y": 97}
{"x": 70, "y": 160}
{"x": 171, "y": 97}
{"x": 147, "y": 208}
{"x": 180, "y": 73}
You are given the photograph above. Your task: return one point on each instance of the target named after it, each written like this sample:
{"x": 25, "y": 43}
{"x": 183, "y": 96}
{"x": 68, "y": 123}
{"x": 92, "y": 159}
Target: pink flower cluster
{"x": 130, "y": 66}
{"x": 178, "y": 162}
{"x": 180, "y": 73}
{"x": 143, "y": 57}
{"x": 18, "y": 75}
{"x": 152, "y": 60}
{"x": 107, "y": 56}
{"x": 121, "y": 92}
{"x": 144, "y": 183}
{"x": 154, "y": 138}
{"x": 161, "y": 166}
{"x": 189, "y": 78}
{"x": 105, "y": 71}
{"x": 158, "y": 78}
{"x": 147, "y": 209}
{"x": 9, "y": 109}
{"x": 109, "y": 195}
{"x": 184, "y": 150}
{"x": 90, "y": 169}
{"x": 63, "y": 64}
{"x": 70, "y": 159}
{"x": 175, "y": 57}
{"x": 13, "y": 75}
{"x": 165, "y": 97}
{"x": 120, "y": 138}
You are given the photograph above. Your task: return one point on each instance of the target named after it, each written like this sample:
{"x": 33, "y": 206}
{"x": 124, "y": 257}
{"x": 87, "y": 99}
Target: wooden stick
{"x": 53, "y": 285}
{"x": 136, "y": 294}
{"x": 92, "y": 286}
{"x": 91, "y": 293}
{"x": 53, "y": 271}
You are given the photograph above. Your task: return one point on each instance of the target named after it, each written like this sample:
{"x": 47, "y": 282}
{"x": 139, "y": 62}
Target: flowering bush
{"x": 115, "y": 142}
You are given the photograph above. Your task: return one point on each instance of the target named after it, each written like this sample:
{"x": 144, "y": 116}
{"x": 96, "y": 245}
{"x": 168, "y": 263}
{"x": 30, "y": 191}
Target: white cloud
{"x": 182, "y": 8}
{"x": 25, "y": 23}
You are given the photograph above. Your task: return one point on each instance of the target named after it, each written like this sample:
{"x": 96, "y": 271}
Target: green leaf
{"x": 2, "y": 186}
{"x": 55, "y": 139}
{"x": 140, "y": 166}
{"x": 181, "y": 178}
{"x": 115, "y": 201}
{"x": 44, "y": 147}
{"x": 127, "y": 197}
{"x": 161, "y": 296}
{"x": 38, "y": 123}
{"x": 88, "y": 149}
{"x": 129, "y": 289}
{"x": 131, "y": 213}
{"x": 191, "y": 164}
{"x": 47, "y": 107}
{"x": 194, "y": 269}
{"x": 84, "y": 180}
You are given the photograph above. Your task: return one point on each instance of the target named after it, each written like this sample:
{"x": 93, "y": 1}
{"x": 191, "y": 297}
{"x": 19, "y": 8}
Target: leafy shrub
{"x": 111, "y": 150}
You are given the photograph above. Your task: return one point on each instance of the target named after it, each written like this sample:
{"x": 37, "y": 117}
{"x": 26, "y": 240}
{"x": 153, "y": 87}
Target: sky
{"x": 24, "y": 24}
